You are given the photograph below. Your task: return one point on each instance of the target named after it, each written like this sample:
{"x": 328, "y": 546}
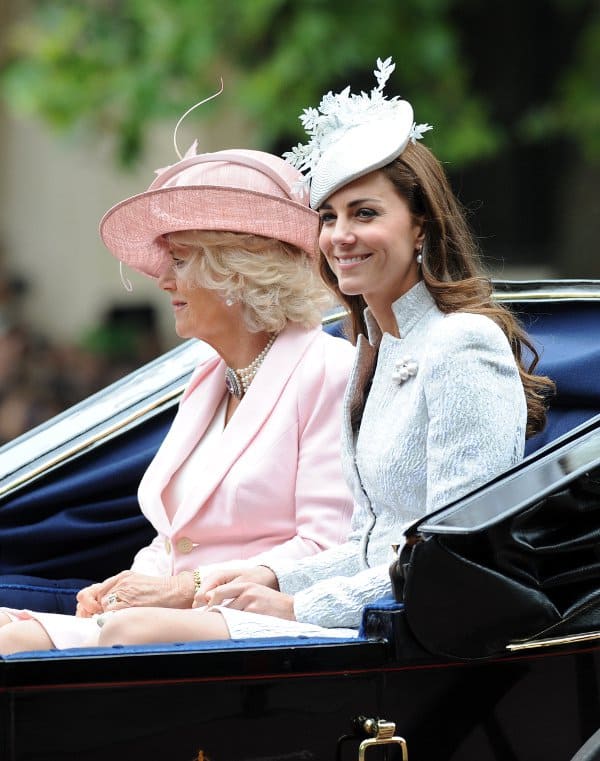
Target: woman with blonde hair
{"x": 250, "y": 470}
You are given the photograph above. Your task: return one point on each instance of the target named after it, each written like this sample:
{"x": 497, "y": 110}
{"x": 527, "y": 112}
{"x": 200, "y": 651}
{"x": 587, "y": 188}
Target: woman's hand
{"x": 88, "y": 602}
{"x": 129, "y": 589}
{"x": 212, "y": 579}
{"x": 254, "y": 598}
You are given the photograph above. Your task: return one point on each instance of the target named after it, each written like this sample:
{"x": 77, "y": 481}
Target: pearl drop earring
{"x": 229, "y": 302}
{"x": 419, "y": 256}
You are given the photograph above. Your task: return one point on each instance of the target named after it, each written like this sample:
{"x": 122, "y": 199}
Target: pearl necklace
{"x": 238, "y": 381}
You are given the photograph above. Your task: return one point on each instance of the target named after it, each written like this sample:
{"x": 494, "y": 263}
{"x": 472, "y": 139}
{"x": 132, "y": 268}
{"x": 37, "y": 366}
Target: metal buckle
{"x": 383, "y": 732}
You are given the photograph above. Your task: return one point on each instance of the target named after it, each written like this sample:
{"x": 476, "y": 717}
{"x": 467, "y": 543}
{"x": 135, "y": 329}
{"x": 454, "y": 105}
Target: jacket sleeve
{"x": 339, "y": 601}
{"x": 151, "y": 559}
{"x": 331, "y": 588}
{"x": 296, "y": 575}
{"x": 476, "y": 408}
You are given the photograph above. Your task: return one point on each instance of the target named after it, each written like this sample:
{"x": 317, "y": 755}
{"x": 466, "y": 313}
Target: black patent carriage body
{"x": 68, "y": 514}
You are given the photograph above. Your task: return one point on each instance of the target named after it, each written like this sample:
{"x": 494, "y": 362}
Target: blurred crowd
{"x": 40, "y": 377}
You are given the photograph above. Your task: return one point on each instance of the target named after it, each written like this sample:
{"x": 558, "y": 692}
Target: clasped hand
{"x": 254, "y": 590}
{"x": 130, "y": 589}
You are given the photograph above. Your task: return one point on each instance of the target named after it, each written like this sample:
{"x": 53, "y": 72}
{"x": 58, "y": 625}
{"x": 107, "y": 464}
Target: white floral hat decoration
{"x": 352, "y": 135}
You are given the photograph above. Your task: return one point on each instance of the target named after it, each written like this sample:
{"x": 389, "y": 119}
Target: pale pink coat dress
{"x": 270, "y": 485}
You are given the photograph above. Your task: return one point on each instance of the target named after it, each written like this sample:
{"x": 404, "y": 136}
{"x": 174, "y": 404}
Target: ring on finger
{"x": 112, "y": 598}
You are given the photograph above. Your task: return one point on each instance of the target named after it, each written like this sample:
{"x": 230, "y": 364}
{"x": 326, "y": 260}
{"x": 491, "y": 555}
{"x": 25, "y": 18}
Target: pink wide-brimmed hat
{"x": 237, "y": 190}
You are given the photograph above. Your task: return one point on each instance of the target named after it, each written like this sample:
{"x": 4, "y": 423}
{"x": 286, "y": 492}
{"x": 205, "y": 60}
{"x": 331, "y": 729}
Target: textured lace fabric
{"x": 457, "y": 420}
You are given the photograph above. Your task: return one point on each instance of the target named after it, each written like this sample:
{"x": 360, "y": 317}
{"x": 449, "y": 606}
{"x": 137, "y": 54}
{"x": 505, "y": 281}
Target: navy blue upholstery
{"x": 43, "y": 595}
{"x": 60, "y": 533}
{"x": 256, "y": 643}
{"x": 566, "y": 336}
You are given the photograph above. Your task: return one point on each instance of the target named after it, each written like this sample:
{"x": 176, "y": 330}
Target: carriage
{"x": 69, "y": 515}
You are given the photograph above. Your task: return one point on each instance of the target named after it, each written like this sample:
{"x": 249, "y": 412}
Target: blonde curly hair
{"x": 275, "y": 282}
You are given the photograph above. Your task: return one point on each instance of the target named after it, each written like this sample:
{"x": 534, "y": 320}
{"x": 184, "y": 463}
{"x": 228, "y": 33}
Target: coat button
{"x": 167, "y": 545}
{"x": 184, "y": 545}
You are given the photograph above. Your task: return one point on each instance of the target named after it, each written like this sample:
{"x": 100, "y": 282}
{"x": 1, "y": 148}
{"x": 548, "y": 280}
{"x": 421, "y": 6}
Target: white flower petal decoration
{"x": 405, "y": 368}
{"x": 418, "y": 130}
{"x": 352, "y": 134}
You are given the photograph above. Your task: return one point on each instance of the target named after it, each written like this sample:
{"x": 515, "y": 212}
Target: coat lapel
{"x": 254, "y": 409}
{"x": 197, "y": 408}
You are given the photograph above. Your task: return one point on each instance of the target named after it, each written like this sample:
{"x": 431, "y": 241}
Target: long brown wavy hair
{"x": 451, "y": 268}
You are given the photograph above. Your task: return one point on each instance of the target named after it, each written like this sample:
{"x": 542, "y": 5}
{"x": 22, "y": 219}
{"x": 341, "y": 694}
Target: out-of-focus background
{"x": 90, "y": 92}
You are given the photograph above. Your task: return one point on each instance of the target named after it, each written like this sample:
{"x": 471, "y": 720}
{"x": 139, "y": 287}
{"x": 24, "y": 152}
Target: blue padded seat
{"x": 60, "y": 534}
{"x": 179, "y": 647}
{"x": 565, "y": 335}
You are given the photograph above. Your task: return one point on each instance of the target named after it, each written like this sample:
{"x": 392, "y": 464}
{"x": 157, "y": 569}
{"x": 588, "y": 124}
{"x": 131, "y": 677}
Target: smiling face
{"x": 370, "y": 240}
{"x": 199, "y": 312}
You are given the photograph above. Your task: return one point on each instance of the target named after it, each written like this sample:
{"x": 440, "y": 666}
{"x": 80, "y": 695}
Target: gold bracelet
{"x": 197, "y": 579}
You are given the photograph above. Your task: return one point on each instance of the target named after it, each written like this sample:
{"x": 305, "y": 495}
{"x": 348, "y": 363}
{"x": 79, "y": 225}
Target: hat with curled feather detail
{"x": 236, "y": 190}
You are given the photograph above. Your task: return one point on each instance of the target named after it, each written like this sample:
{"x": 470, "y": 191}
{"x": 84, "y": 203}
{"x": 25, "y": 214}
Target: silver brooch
{"x": 405, "y": 369}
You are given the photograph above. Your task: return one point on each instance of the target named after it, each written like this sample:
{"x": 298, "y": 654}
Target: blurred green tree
{"x": 115, "y": 66}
